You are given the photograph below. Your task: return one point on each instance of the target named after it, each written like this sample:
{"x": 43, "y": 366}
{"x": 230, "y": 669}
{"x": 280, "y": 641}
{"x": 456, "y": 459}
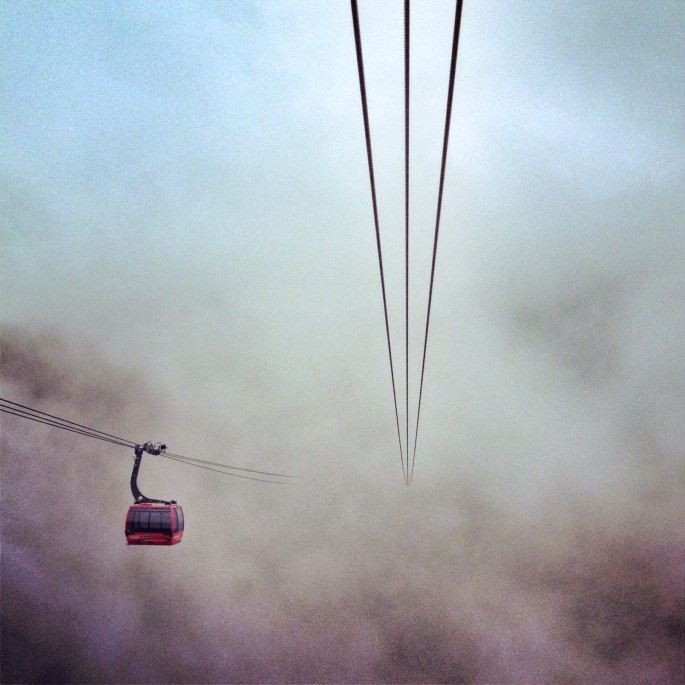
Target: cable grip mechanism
{"x": 151, "y": 448}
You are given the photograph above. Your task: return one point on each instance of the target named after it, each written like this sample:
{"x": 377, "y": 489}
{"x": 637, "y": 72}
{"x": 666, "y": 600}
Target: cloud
{"x": 359, "y": 580}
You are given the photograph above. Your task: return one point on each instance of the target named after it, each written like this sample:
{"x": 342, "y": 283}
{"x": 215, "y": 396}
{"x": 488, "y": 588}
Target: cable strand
{"x": 54, "y": 424}
{"x": 73, "y": 423}
{"x": 22, "y": 411}
{"x": 448, "y": 116}
{"x": 367, "y": 132}
{"x": 225, "y": 473}
{"x": 228, "y": 466}
{"x": 406, "y": 222}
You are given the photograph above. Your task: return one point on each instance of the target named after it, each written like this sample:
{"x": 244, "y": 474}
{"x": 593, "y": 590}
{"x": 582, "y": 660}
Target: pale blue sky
{"x": 198, "y": 169}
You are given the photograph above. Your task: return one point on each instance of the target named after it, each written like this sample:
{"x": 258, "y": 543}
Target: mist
{"x": 188, "y": 256}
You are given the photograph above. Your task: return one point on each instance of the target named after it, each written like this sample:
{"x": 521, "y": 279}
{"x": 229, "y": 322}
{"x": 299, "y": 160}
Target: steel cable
{"x": 406, "y": 222}
{"x": 367, "y": 132}
{"x": 227, "y": 466}
{"x": 73, "y": 423}
{"x": 48, "y": 422}
{"x": 22, "y": 411}
{"x": 225, "y": 473}
{"x": 448, "y": 115}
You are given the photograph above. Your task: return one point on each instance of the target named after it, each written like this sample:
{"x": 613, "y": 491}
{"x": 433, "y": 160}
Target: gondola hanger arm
{"x": 150, "y": 448}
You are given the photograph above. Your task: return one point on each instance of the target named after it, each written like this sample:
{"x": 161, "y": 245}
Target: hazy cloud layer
{"x": 324, "y": 581}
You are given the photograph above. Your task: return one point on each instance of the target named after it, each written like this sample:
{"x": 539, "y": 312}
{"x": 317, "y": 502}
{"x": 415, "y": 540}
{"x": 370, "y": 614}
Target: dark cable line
{"x": 448, "y": 115}
{"x": 367, "y": 132}
{"x": 227, "y": 466}
{"x": 57, "y": 422}
{"x": 225, "y": 473}
{"x": 73, "y": 423}
{"x": 406, "y": 220}
{"x": 48, "y": 422}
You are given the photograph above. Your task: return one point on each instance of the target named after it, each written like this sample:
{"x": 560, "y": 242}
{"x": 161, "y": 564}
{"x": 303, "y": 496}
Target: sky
{"x": 188, "y": 255}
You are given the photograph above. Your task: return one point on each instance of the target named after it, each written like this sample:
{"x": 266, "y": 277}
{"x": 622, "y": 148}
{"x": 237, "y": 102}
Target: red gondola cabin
{"x": 153, "y": 523}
